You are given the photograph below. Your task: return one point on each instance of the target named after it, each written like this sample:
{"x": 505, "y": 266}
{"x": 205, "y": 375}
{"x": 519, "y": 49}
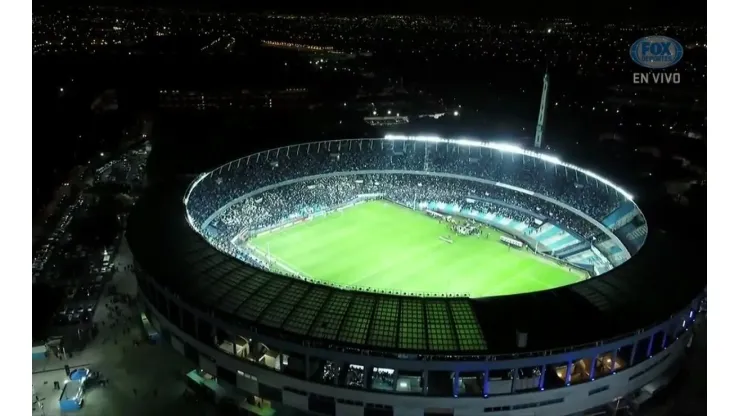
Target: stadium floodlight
{"x": 506, "y": 147}
{"x": 431, "y": 139}
{"x": 509, "y": 148}
{"x": 551, "y": 159}
{"x": 468, "y": 142}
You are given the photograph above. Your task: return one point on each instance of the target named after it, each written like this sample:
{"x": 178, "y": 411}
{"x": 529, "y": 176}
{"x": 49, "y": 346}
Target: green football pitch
{"x": 382, "y": 246}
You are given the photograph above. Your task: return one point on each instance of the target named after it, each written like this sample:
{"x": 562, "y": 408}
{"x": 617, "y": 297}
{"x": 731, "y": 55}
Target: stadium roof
{"x": 647, "y": 289}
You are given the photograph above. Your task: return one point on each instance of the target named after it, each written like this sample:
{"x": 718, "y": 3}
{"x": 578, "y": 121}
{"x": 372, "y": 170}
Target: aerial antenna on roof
{"x": 543, "y": 111}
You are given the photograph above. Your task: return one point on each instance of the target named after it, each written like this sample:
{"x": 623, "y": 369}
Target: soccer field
{"x": 380, "y": 245}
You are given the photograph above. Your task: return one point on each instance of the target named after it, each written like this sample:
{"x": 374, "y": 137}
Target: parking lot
{"x": 76, "y": 260}
{"x": 81, "y": 295}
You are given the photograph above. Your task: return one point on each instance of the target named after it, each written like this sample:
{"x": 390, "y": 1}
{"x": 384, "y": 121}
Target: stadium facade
{"x": 292, "y": 341}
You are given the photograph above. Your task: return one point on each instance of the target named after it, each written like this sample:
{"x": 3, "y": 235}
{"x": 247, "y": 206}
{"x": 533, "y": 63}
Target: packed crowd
{"x": 300, "y": 199}
{"x": 469, "y": 227}
{"x": 278, "y": 204}
{"x": 240, "y": 177}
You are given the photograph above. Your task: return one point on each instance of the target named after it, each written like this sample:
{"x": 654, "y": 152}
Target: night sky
{"x": 647, "y": 11}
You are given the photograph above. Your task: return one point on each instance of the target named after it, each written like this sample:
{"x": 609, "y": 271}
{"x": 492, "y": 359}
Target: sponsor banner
{"x": 368, "y": 196}
{"x": 512, "y": 242}
{"x": 310, "y": 217}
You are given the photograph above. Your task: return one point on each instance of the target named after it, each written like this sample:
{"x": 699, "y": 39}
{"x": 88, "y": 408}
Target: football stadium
{"x": 415, "y": 275}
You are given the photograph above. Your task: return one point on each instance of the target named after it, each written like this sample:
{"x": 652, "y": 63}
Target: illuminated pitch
{"x": 382, "y": 246}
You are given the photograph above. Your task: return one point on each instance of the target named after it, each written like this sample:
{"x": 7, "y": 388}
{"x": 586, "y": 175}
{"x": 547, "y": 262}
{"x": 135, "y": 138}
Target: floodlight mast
{"x": 543, "y": 112}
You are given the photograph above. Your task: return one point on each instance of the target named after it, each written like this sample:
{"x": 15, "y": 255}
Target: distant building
{"x": 386, "y": 121}
{"x": 233, "y": 99}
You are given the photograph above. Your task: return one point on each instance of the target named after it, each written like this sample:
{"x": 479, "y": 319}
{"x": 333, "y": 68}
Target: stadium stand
{"x": 577, "y": 190}
{"x": 293, "y": 183}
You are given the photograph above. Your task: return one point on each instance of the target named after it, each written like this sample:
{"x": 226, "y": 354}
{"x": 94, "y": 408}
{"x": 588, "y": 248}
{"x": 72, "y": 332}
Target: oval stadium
{"x": 413, "y": 275}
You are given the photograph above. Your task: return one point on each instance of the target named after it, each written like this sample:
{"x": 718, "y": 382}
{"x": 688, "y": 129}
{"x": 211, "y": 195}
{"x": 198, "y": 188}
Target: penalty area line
{"x": 278, "y": 262}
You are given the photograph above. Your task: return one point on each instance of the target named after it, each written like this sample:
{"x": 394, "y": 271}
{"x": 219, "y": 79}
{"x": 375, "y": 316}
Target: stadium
{"x": 412, "y": 275}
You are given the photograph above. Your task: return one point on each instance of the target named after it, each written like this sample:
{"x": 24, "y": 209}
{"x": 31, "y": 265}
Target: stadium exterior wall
{"x": 560, "y": 401}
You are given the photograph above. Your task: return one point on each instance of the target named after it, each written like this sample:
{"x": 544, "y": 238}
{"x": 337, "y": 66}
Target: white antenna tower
{"x": 543, "y": 112}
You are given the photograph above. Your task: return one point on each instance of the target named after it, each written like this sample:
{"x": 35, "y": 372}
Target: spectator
{"x": 284, "y": 184}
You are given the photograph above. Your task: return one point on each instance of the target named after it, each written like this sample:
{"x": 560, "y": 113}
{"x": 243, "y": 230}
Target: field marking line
{"x": 546, "y": 286}
{"x": 422, "y": 253}
{"x": 370, "y": 210}
{"x": 334, "y": 238}
{"x": 383, "y": 217}
{"x": 280, "y": 263}
{"x": 570, "y": 269}
{"x": 300, "y": 229}
{"x": 495, "y": 290}
{"x": 290, "y": 234}
{"x": 397, "y": 260}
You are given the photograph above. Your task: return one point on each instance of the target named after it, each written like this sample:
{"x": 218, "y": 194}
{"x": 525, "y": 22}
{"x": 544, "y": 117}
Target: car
{"x": 60, "y": 319}
{"x": 73, "y": 318}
